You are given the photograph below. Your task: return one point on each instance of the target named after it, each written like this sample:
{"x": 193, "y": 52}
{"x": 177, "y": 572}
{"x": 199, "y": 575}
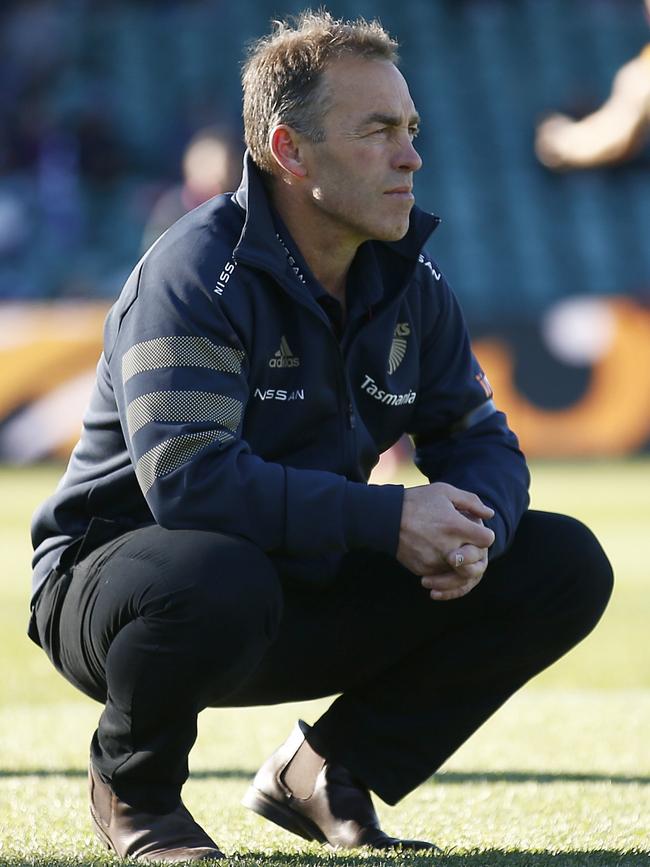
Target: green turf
{"x": 560, "y": 775}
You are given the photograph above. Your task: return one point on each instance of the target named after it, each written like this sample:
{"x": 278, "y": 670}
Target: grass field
{"x": 560, "y": 775}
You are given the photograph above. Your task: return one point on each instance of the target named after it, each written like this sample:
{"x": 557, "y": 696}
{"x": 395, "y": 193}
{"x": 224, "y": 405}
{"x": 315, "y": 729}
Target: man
{"x": 214, "y": 541}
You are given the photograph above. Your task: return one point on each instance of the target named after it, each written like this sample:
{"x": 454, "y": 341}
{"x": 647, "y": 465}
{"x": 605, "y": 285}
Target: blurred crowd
{"x": 76, "y": 185}
{"x": 116, "y": 116}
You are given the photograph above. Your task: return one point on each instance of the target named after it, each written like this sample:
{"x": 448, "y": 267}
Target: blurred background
{"x": 116, "y": 117}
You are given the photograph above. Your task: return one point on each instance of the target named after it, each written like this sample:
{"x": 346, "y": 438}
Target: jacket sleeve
{"x": 459, "y": 436}
{"x": 180, "y": 375}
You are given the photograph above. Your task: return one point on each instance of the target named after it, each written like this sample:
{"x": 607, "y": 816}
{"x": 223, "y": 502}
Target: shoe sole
{"x": 291, "y": 821}
{"x": 282, "y": 815}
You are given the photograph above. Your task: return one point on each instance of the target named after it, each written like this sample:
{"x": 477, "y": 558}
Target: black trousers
{"x": 158, "y": 625}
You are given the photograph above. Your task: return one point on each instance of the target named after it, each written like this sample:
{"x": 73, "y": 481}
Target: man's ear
{"x": 286, "y": 150}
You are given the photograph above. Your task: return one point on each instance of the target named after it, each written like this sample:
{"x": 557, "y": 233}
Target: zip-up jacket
{"x": 225, "y": 401}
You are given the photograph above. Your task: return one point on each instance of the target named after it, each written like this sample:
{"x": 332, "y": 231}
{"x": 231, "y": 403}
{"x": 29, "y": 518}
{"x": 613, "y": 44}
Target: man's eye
{"x": 414, "y": 131}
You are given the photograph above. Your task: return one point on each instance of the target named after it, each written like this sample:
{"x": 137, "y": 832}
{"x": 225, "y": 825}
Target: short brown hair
{"x": 283, "y": 74}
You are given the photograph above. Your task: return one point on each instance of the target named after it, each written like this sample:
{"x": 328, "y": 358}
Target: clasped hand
{"x": 443, "y": 539}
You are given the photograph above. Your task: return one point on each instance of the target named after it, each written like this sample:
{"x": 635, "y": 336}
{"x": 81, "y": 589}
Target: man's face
{"x": 360, "y": 178}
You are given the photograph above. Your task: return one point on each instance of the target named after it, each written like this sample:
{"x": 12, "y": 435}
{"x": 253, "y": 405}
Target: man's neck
{"x": 325, "y": 249}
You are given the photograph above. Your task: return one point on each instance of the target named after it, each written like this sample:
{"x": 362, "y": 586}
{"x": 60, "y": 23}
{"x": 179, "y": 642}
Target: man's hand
{"x": 442, "y": 538}
{"x": 468, "y": 565}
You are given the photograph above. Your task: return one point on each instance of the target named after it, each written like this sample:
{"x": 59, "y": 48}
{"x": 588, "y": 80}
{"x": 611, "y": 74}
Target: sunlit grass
{"x": 560, "y": 775}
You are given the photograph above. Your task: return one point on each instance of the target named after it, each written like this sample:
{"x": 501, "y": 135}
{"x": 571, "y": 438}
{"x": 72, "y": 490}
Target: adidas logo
{"x": 284, "y": 357}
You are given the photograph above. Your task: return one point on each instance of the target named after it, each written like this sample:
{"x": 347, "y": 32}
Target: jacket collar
{"x": 258, "y": 243}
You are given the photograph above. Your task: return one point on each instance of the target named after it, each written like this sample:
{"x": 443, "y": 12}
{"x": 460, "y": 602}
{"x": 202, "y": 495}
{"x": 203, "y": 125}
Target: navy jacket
{"x": 224, "y": 400}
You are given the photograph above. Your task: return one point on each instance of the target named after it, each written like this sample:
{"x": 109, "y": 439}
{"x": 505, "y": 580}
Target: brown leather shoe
{"x": 133, "y": 833}
{"x": 328, "y": 805}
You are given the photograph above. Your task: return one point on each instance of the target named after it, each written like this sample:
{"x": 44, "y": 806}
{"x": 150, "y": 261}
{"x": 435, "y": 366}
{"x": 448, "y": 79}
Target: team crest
{"x": 398, "y": 346}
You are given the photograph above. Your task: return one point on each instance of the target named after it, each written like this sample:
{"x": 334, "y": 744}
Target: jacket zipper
{"x": 347, "y": 411}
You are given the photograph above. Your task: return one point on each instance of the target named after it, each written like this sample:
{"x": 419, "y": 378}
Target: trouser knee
{"x": 591, "y": 572}
{"x": 224, "y": 594}
{"x": 162, "y": 600}
{"x": 564, "y": 571}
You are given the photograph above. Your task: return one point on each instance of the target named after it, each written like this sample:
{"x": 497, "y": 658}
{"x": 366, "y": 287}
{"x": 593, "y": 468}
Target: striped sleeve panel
{"x": 172, "y": 453}
{"x": 184, "y": 407}
{"x": 182, "y": 350}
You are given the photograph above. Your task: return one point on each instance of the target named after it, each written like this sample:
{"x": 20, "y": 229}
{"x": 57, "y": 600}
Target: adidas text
{"x": 283, "y": 361}
{"x": 284, "y": 357}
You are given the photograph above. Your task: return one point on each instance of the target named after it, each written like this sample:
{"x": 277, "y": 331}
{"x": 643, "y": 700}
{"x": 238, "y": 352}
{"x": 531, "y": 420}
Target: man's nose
{"x": 409, "y": 158}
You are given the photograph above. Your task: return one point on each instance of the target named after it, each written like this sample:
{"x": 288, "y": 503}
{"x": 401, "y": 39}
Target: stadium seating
{"x": 515, "y": 238}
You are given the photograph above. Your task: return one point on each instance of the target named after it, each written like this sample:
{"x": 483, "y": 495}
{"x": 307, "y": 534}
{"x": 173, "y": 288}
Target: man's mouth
{"x": 404, "y": 192}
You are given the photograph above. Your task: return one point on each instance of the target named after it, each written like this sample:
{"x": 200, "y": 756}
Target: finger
{"x": 453, "y": 593}
{"x": 468, "y": 562}
{"x": 470, "y": 516}
{"x": 472, "y": 533}
{"x": 442, "y": 581}
{"x": 456, "y": 559}
{"x": 465, "y": 555}
{"x": 466, "y": 501}
{"x": 445, "y": 581}
{"x": 448, "y": 595}
{"x": 471, "y": 571}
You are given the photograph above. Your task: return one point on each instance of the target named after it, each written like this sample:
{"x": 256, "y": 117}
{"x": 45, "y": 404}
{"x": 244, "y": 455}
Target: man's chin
{"x": 393, "y": 233}
{"x": 389, "y": 230}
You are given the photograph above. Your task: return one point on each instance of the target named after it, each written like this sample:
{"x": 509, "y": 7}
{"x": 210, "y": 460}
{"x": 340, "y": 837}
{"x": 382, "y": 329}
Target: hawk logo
{"x": 398, "y": 346}
{"x": 284, "y": 357}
